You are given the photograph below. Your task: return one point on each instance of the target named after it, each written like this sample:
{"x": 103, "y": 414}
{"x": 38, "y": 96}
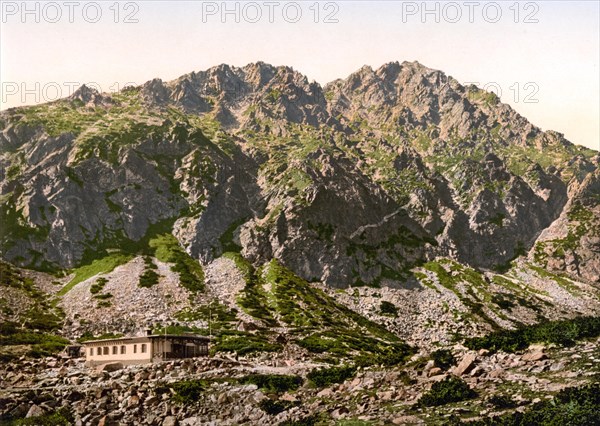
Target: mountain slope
{"x": 349, "y": 184}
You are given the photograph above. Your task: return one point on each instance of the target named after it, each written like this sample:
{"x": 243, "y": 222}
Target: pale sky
{"x": 554, "y": 60}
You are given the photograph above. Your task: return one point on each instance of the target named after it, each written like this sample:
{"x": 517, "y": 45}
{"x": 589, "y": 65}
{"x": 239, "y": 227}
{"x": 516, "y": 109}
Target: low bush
{"x": 571, "y": 406}
{"x": 244, "y": 344}
{"x": 31, "y": 338}
{"x": 443, "y": 358}
{"x": 451, "y": 389}
{"x": 502, "y": 401}
{"x": 215, "y": 311}
{"x": 389, "y": 309}
{"x": 103, "y": 296}
{"x": 272, "y": 407}
{"x": 98, "y": 285}
{"x": 273, "y": 383}
{"x": 149, "y": 263}
{"x": 327, "y": 376}
{"x": 389, "y": 355}
{"x": 61, "y": 417}
{"x": 317, "y": 344}
{"x": 8, "y": 327}
{"x": 45, "y": 349}
{"x": 40, "y": 320}
{"x": 187, "y": 391}
{"x": 562, "y": 333}
{"x": 502, "y": 301}
{"x": 177, "y": 330}
{"x": 148, "y": 279}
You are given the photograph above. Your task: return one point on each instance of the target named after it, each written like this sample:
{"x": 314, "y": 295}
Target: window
{"x": 114, "y": 350}
{"x": 134, "y": 349}
{"x": 143, "y": 348}
{"x": 91, "y": 351}
{"x": 123, "y": 349}
{"x": 105, "y": 350}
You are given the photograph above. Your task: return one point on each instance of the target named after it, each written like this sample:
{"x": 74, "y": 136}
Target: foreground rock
{"x": 142, "y": 394}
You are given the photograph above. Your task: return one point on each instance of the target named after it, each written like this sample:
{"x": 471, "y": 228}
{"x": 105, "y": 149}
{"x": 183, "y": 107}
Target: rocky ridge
{"x": 404, "y": 149}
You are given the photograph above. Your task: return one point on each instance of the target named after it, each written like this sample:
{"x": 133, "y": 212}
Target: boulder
{"x": 113, "y": 366}
{"x": 35, "y": 411}
{"x": 465, "y": 365}
{"x": 170, "y": 421}
{"x": 534, "y": 356}
{"x": 434, "y": 371}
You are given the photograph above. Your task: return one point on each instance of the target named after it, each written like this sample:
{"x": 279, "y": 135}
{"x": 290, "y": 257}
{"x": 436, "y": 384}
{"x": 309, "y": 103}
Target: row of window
{"x": 115, "y": 350}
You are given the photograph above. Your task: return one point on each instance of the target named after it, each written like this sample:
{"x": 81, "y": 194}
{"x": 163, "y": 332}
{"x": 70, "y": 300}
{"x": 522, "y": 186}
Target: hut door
{"x": 178, "y": 350}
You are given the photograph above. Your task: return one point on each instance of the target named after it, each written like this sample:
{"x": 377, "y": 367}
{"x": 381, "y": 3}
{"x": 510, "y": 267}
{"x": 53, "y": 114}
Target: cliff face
{"x": 352, "y": 183}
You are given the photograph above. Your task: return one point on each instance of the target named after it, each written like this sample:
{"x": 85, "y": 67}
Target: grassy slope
{"x": 313, "y": 319}
{"x": 32, "y": 327}
{"x": 97, "y": 267}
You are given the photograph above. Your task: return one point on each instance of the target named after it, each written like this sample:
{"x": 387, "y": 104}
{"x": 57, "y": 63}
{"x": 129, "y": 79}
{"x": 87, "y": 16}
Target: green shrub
{"x": 8, "y": 327}
{"x": 388, "y": 355}
{"x": 10, "y": 276}
{"x": 451, "y": 389}
{"x": 148, "y": 279}
{"x": 177, "y": 330}
{"x": 244, "y": 344}
{"x": 571, "y": 406}
{"x": 41, "y": 321}
{"x": 502, "y": 301}
{"x": 317, "y": 344}
{"x": 187, "y": 391}
{"x": 502, "y": 401}
{"x": 47, "y": 348}
{"x": 562, "y": 333}
{"x": 103, "y": 296}
{"x": 273, "y": 383}
{"x": 42, "y": 344}
{"x": 30, "y": 338}
{"x": 98, "y": 286}
{"x": 191, "y": 275}
{"x": 215, "y": 311}
{"x": 325, "y": 377}
{"x": 443, "y": 358}
{"x": 227, "y": 241}
{"x": 272, "y": 407}
{"x": 389, "y": 309}
{"x": 61, "y": 417}
{"x": 149, "y": 263}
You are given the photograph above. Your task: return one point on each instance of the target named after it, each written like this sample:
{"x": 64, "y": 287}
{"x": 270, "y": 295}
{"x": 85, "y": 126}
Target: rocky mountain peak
{"x": 155, "y": 92}
{"x": 88, "y": 95}
{"x": 258, "y": 74}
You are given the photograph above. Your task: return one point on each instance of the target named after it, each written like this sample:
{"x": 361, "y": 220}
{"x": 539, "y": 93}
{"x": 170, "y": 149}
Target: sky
{"x": 541, "y": 57}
